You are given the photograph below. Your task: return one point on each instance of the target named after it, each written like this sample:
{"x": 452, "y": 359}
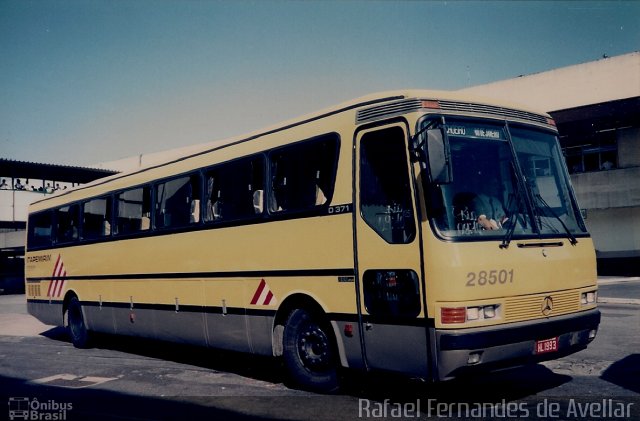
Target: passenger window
{"x": 133, "y": 211}
{"x": 385, "y": 192}
{"x": 96, "y": 218}
{"x": 178, "y": 202}
{"x": 303, "y": 175}
{"x": 40, "y": 229}
{"x": 235, "y": 190}
{"x": 67, "y": 224}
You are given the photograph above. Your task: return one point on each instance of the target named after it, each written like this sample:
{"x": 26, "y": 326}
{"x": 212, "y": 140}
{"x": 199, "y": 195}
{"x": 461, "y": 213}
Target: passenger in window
{"x": 607, "y": 165}
{"x": 4, "y": 185}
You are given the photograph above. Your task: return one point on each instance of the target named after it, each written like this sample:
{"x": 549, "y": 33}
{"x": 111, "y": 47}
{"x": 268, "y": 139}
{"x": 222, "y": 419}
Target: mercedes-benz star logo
{"x": 547, "y": 305}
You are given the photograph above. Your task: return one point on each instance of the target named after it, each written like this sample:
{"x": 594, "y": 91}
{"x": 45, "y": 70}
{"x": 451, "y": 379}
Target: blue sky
{"x": 90, "y": 81}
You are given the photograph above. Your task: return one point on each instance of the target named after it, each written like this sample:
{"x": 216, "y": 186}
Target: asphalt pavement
{"x": 619, "y": 290}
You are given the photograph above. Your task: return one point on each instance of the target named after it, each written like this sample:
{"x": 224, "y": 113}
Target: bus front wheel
{"x": 76, "y": 326}
{"x": 309, "y": 352}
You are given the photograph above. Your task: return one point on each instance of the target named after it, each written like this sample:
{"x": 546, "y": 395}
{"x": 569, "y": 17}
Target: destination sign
{"x": 482, "y": 132}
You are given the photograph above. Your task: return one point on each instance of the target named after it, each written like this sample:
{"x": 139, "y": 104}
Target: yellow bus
{"x": 419, "y": 232}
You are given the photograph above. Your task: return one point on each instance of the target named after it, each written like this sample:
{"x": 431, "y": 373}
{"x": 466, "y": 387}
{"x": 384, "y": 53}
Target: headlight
{"x": 489, "y": 312}
{"x": 589, "y": 297}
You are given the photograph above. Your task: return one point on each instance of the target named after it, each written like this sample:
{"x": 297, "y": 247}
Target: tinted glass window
{"x": 303, "y": 175}
{"x": 67, "y": 224}
{"x": 235, "y": 190}
{"x": 393, "y": 293}
{"x": 544, "y": 170}
{"x": 40, "y": 229}
{"x": 483, "y": 200}
{"x": 96, "y": 218}
{"x": 133, "y": 210}
{"x": 486, "y": 199}
{"x": 385, "y": 192}
{"x": 178, "y": 202}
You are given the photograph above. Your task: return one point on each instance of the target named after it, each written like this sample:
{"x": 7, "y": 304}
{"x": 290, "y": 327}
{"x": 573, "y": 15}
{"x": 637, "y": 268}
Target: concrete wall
{"x": 615, "y": 232}
{"x": 12, "y": 239}
{"x": 608, "y": 189}
{"x": 629, "y": 147}
{"x": 14, "y": 204}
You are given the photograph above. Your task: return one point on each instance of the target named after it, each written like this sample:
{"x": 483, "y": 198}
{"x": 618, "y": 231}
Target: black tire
{"x": 78, "y": 332}
{"x": 309, "y": 352}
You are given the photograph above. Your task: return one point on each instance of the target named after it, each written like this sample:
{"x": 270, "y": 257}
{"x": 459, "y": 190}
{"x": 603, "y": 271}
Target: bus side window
{"x": 96, "y": 217}
{"x": 385, "y": 192}
{"x": 67, "y": 224}
{"x": 40, "y": 229}
{"x": 302, "y": 175}
{"x": 133, "y": 210}
{"x": 234, "y": 190}
{"x": 178, "y": 202}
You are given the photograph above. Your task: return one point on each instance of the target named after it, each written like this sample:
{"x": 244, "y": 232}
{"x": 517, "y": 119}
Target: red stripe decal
{"x": 50, "y": 288}
{"x": 268, "y": 299}
{"x": 254, "y": 300}
{"x": 56, "y": 268}
{"x": 53, "y": 280}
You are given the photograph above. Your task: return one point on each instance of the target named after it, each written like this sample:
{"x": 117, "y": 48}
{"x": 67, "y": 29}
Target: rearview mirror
{"x": 438, "y": 156}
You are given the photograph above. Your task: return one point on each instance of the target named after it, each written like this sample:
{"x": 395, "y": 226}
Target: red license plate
{"x": 547, "y": 345}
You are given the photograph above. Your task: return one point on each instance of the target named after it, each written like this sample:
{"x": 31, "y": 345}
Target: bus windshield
{"x": 493, "y": 196}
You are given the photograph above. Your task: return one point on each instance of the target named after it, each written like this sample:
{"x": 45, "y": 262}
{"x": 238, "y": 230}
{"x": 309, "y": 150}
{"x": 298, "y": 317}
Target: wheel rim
{"x": 314, "y": 348}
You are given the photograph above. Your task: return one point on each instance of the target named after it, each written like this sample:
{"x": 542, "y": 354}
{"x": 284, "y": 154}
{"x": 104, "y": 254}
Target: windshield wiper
{"x": 549, "y": 211}
{"x": 513, "y": 217}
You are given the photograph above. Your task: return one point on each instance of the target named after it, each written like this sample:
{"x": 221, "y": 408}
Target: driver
{"x": 489, "y": 207}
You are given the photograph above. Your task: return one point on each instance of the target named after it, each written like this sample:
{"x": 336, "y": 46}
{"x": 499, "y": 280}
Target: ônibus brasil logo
{"x": 33, "y": 409}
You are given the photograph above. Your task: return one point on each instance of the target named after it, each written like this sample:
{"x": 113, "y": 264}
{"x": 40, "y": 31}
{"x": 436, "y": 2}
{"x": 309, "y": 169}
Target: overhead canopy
{"x": 62, "y": 173}
{"x": 576, "y": 123}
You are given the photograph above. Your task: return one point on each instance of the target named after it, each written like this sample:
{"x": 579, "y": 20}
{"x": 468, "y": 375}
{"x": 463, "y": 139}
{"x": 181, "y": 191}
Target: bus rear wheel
{"x": 76, "y": 326}
{"x": 309, "y": 352}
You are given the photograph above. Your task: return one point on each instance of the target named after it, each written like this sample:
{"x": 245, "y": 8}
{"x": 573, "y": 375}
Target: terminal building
{"x": 596, "y": 107}
{"x": 20, "y": 184}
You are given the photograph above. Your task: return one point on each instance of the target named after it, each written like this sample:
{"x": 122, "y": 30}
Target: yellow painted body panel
{"x": 276, "y": 246}
{"x": 537, "y": 272}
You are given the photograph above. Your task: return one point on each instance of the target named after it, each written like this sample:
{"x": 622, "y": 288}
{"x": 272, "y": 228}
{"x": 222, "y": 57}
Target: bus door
{"x": 388, "y": 253}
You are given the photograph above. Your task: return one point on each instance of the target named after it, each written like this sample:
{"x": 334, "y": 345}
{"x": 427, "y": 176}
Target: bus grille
{"x": 530, "y": 307}
{"x": 387, "y": 110}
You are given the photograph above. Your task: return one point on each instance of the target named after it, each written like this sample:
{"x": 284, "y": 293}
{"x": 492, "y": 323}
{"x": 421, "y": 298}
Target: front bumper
{"x": 501, "y": 346}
